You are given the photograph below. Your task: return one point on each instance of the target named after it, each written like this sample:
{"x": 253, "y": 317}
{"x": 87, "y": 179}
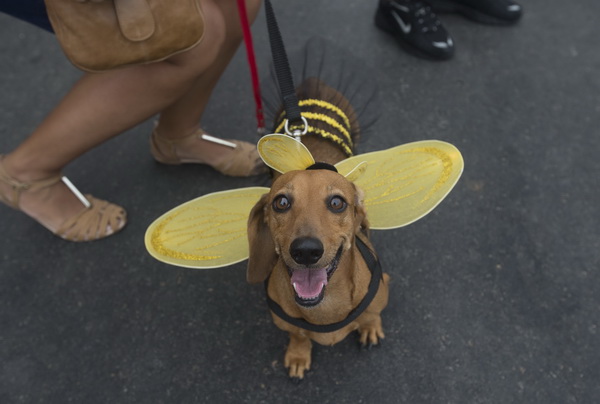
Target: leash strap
{"x": 260, "y": 118}
{"x": 376, "y": 275}
{"x": 282, "y": 68}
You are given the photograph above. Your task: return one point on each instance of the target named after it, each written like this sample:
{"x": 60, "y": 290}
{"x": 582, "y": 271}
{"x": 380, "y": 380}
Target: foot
{"x": 371, "y": 334}
{"x": 52, "y": 206}
{"x": 229, "y": 157}
{"x": 416, "y": 27}
{"x": 298, "y": 356}
{"x": 484, "y": 11}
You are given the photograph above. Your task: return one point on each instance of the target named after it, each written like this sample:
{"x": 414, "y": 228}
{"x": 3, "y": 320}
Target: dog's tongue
{"x": 309, "y": 283}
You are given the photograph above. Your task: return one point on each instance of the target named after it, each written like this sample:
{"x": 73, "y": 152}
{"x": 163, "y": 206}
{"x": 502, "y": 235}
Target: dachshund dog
{"x": 305, "y": 239}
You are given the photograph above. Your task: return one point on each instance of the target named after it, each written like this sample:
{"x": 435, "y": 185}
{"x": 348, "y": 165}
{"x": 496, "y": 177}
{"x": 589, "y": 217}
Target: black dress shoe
{"x": 416, "y": 27}
{"x": 484, "y": 11}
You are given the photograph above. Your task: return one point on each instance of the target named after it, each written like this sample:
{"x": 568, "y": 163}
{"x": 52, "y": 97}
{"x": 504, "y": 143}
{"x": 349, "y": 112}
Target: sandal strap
{"x": 101, "y": 219}
{"x": 96, "y": 220}
{"x": 164, "y": 149}
{"x": 244, "y": 160}
{"x": 19, "y": 186}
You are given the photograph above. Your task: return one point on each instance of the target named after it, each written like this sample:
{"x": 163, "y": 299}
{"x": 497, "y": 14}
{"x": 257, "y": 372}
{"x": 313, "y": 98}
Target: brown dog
{"x": 308, "y": 238}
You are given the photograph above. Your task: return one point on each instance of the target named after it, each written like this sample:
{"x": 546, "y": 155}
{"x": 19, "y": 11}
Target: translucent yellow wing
{"x": 284, "y": 153}
{"x": 206, "y": 232}
{"x": 401, "y": 185}
{"x": 405, "y": 183}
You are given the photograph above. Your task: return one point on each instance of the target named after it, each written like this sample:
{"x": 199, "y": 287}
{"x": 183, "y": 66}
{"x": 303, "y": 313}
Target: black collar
{"x": 376, "y": 274}
{"x": 322, "y": 166}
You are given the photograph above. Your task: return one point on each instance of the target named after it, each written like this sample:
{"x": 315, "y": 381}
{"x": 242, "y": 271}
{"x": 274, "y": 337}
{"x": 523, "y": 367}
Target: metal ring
{"x": 297, "y": 132}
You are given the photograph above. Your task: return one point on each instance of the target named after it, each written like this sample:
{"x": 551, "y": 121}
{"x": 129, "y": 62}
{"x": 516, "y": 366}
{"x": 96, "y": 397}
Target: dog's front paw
{"x": 297, "y": 356}
{"x": 371, "y": 334}
{"x": 297, "y": 366}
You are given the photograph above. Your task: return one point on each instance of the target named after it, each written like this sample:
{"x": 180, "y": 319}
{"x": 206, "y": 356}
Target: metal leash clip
{"x": 297, "y": 133}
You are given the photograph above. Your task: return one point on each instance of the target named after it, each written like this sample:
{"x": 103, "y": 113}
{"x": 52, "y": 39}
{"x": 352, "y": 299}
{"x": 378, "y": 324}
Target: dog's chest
{"x": 333, "y": 338}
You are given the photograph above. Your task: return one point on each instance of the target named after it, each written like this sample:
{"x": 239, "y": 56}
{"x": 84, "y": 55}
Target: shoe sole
{"x": 442, "y": 6}
{"x": 382, "y": 23}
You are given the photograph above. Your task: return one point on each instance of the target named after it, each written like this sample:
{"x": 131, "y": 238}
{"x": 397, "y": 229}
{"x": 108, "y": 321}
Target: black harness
{"x": 376, "y": 276}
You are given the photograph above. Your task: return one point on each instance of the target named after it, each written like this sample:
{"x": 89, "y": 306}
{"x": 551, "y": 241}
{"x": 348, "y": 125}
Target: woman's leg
{"x": 101, "y": 106}
{"x": 182, "y": 117}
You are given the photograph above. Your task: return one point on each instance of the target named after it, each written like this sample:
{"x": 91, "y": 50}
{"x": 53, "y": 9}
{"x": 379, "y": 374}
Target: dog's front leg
{"x": 369, "y": 323}
{"x": 297, "y": 356}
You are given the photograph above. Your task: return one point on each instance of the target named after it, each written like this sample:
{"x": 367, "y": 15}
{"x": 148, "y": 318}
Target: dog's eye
{"x": 337, "y": 204}
{"x": 281, "y": 203}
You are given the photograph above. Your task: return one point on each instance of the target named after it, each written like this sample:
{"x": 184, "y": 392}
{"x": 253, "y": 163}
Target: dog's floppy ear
{"x": 362, "y": 222}
{"x": 262, "y": 255}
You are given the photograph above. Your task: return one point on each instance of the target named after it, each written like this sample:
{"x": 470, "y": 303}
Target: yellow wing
{"x": 284, "y": 153}
{"x": 405, "y": 183}
{"x": 401, "y": 185}
{"x": 206, "y": 232}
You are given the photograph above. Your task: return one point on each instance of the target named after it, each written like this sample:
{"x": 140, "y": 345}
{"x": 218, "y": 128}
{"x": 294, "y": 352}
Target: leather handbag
{"x": 103, "y": 35}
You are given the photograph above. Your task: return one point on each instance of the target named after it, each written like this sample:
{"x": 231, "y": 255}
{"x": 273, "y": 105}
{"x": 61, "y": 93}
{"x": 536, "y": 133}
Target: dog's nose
{"x": 306, "y": 250}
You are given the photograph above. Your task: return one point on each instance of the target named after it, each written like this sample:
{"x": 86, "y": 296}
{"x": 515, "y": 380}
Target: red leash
{"x": 252, "y": 64}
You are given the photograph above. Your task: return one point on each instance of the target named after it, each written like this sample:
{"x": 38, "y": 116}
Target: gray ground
{"x": 495, "y": 295}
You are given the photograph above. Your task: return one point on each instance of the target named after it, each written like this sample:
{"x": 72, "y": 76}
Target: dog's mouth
{"x": 309, "y": 283}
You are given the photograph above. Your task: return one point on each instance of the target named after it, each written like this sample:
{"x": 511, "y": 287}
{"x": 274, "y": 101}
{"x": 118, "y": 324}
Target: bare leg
{"x": 182, "y": 117}
{"x": 101, "y": 106}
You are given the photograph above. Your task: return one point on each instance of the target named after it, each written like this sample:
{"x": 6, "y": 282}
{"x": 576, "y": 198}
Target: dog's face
{"x": 308, "y": 220}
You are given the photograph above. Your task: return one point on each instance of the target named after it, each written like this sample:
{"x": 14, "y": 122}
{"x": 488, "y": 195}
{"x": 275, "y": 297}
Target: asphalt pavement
{"x": 495, "y": 295}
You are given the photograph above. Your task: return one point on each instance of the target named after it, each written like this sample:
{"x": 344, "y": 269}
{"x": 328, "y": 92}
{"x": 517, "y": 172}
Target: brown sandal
{"x": 98, "y": 219}
{"x": 243, "y": 162}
